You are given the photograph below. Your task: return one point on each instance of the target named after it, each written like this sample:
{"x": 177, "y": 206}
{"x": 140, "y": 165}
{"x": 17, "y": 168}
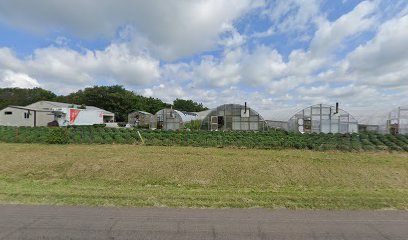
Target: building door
{"x": 214, "y": 123}
{"x": 394, "y": 129}
{"x": 307, "y": 125}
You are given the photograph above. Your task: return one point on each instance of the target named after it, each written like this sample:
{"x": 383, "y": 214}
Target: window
{"x": 8, "y": 113}
{"x": 26, "y": 115}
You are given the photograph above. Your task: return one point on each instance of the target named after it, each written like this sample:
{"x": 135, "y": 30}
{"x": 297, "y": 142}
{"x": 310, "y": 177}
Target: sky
{"x": 270, "y": 54}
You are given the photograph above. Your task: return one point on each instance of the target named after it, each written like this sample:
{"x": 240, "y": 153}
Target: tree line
{"x": 115, "y": 99}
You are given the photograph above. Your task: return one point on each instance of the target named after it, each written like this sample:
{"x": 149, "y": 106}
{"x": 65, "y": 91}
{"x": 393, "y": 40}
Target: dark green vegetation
{"x": 115, "y": 99}
{"x": 188, "y": 105}
{"x": 133, "y": 175}
{"x": 23, "y": 97}
{"x": 262, "y": 140}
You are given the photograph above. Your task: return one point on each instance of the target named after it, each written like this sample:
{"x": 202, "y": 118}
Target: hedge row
{"x": 265, "y": 140}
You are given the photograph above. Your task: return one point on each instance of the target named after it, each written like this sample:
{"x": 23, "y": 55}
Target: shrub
{"x": 57, "y": 136}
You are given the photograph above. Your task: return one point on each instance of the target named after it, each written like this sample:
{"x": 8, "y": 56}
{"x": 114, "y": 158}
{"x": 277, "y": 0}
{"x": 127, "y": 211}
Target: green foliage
{"x": 23, "y": 97}
{"x": 239, "y": 139}
{"x": 188, "y": 105}
{"x": 115, "y": 99}
{"x": 57, "y": 136}
{"x": 193, "y": 125}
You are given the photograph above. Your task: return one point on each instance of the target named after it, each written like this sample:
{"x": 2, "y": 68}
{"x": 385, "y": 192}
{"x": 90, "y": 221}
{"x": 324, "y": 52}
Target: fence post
{"x": 140, "y": 136}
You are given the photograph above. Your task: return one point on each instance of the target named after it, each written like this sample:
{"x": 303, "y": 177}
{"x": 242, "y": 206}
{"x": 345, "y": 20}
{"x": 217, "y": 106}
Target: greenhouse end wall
{"x": 167, "y": 119}
{"x": 322, "y": 118}
{"x": 233, "y": 117}
{"x": 398, "y": 120}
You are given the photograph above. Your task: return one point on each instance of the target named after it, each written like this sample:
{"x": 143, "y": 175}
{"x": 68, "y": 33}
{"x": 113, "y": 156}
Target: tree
{"x": 23, "y": 96}
{"x": 188, "y": 105}
{"x": 115, "y": 99}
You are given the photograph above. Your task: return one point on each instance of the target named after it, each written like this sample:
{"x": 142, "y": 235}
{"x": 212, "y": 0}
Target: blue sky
{"x": 271, "y": 54}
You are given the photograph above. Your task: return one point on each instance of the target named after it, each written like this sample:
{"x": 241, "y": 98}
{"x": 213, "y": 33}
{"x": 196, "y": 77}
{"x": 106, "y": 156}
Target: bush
{"x": 57, "y": 136}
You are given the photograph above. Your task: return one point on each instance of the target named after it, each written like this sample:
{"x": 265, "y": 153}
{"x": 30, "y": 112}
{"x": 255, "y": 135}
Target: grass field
{"x": 134, "y": 175}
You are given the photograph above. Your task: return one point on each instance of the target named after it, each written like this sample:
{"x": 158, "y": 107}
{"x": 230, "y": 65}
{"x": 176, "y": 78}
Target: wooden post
{"x": 35, "y": 118}
{"x": 140, "y": 136}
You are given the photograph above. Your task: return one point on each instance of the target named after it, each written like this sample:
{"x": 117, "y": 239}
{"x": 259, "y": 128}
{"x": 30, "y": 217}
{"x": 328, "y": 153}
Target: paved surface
{"x": 45, "y": 222}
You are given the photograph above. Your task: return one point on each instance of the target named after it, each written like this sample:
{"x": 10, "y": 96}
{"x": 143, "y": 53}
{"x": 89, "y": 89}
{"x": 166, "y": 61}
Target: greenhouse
{"x": 233, "y": 117}
{"x": 139, "y": 118}
{"x": 398, "y": 120}
{"x": 171, "y": 119}
{"x": 322, "y": 118}
{"x": 371, "y": 119}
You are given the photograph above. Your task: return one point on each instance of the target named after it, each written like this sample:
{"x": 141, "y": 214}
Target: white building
{"x": 42, "y": 113}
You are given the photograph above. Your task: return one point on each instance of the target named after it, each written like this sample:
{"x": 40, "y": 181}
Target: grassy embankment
{"x": 132, "y": 175}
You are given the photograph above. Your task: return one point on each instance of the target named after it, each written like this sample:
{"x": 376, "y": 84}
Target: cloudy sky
{"x": 272, "y": 54}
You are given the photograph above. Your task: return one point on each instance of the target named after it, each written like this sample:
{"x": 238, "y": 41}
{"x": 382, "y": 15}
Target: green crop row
{"x": 265, "y": 140}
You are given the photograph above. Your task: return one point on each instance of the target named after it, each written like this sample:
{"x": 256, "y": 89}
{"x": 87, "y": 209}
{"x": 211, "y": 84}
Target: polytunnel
{"x": 171, "y": 119}
{"x": 321, "y": 118}
{"x": 398, "y": 120}
{"x": 233, "y": 117}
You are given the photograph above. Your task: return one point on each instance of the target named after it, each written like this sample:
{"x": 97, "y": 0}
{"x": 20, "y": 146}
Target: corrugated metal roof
{"x": 69, "y": 105}
{"x": 29, "y": 108}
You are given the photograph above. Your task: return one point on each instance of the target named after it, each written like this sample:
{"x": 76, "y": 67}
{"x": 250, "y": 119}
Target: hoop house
{"x": 233, "y": 117}
{"x": 322, "y": 118}
{"x": 398, "y": 120}
{"x": 170, "y": 119}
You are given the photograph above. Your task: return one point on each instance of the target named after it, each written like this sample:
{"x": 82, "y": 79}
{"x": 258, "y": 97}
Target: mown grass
{"x": 134, "y": 175}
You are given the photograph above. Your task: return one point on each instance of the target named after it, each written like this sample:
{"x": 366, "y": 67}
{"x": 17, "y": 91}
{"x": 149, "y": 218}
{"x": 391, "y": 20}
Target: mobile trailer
{"x": 72, "y": 116}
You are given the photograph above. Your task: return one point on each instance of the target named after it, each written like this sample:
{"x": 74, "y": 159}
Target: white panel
{"x": 245, "y": 113}
{"x": 236, "y": 126}
{"x": 325, "y": 126}
{"x": 244, "y": 125}
{"x": 254, "y": 126}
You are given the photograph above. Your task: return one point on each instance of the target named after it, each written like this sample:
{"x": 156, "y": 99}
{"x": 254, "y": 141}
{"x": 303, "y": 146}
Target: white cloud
{"x": 216, "y": 72}
{"x": 290, "y": 16}
{"x": 330, "y": 35}
{"x": 173, "y": 28}
{"x": 383, "y": 61}
{"x": 241, "y": 68}
{"x": 65, "y": 66}
{"x": 262, "y": 66}
{"x": 20, "y": 80}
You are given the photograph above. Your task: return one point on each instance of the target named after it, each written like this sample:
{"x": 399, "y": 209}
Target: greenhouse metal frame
{"x": 398, "y": 120}
{"x": 233, "y": 117}
{"x": 171, "y": 119}
{"x": 321, "y": 118}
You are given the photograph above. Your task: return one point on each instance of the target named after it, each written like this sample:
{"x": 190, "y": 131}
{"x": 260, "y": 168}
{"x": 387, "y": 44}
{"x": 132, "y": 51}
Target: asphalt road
{"x": 49, "y": 222}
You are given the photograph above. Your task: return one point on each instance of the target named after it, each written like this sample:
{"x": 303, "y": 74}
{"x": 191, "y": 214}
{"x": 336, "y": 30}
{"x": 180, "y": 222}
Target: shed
{"x": 18, "y": 116}
{"x": 233, "y": 117}
{"x": 139, "y": 118}
{"x": 321, "y": 118}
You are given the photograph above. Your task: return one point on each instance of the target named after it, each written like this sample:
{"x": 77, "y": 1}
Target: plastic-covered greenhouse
{"x": 139, "y": 118}
{"x": 171, "y": 119}
{"x": 233, "y": 117}
{"x": 398, "y": 120}
{"x": 322, "y": 118}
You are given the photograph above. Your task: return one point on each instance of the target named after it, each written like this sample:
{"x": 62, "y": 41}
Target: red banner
{"x": 73, "y": 114}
